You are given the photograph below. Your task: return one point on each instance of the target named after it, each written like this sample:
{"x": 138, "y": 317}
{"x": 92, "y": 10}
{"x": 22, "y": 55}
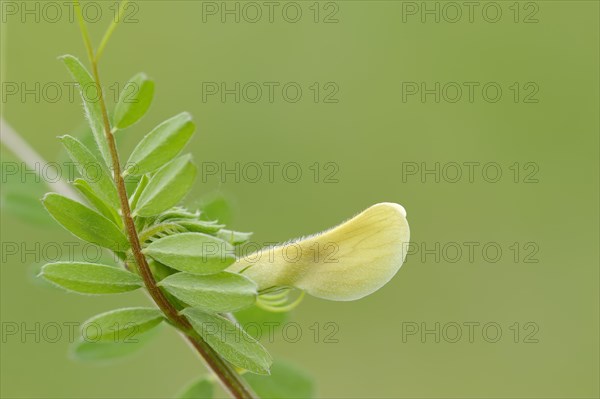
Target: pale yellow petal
{"x": 345, "y": 263}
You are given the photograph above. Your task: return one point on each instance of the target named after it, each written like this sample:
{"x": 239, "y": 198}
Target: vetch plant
{"x": 188, "y": 265}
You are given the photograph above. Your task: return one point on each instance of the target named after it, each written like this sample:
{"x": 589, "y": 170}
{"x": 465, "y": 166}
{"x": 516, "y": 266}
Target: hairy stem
{"x": 229, "y": 378}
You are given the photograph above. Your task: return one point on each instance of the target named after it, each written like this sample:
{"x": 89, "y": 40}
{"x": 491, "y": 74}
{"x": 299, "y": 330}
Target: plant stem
{"x": 111, "y": 29}
{"x": 229, "y": 378}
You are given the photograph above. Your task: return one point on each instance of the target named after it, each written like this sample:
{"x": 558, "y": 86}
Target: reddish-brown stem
{"x": 229, "y": 378}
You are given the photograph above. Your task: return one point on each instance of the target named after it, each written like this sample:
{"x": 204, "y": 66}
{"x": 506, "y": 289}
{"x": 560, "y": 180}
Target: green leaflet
{"x": 86, "y": 351}
{"x": 160, "y": 271}
{"x": 90, "y": 278}
{"x": 200, "y": 389}
{"x": 234, "y": 237}
{"x": 139, "y": 189}
{"x": 91, "y": 102}
{"x": 134, "y": 101}
{"x": 131, "y": 182}
{"x": 85, "y": 223}
{"x": 285, "y": 382}
{"x": 84, "y": 188}
{"x": 192, "y": 252}
{"x": 161, "y": 145}
{"x": 230, "y": 341}
{"x": 178, "y": 213}
{"x": 121, "y": 325}
{"x": 221, "y": 292}
{"x": 200, "y": 226}
{"x": 167, "y": 187}
{"x": 83, "y": 133}
{"x": 92, "y": 171}
{"x": 217, "y": 206}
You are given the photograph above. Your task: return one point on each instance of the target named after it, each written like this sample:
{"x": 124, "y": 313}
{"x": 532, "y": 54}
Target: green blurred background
{"x": 372, "y": 135}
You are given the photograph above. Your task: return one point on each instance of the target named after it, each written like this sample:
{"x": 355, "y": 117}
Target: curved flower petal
{"x": 345, "y": 263}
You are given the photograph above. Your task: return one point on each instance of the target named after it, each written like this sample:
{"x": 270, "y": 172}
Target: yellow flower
{"x": 345, "y": 263}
